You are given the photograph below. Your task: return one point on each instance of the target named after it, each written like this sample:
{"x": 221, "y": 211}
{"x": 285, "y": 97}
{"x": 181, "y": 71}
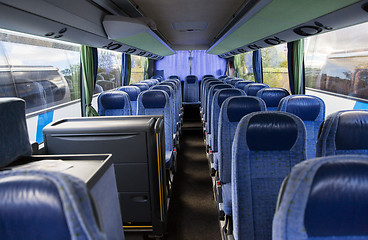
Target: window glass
{"x": 275, "y": 67}
{"x": 245, "y": 68}
{"x": 43, "y": 72}
{"x": 337, "y": 61}
{"x": 109, "y": 70}
{"x": 137, "y": 73}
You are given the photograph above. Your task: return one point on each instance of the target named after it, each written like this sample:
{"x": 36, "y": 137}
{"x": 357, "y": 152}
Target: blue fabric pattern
{"x": 218, "y": 99}
{"x": 165, "y": 111}
{"x": 288, "y": 222}
{"x": 206, "y": 91}
{"x": 298, "y": 105}
{"x": 257, "y": 176}
{"x": 272, "y": 97}
{"x": 13, "y": 131}
{"x": 253, "y": 88}
{"x": 191, "y": 89}
{"x": 114, "y": 103}
{"x": 75, "y": 199}
{"x": 133, "y": 93}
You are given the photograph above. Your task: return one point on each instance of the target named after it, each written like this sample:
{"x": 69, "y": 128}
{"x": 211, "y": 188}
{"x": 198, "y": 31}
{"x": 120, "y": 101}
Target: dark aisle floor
{"x": 192, "y": 213}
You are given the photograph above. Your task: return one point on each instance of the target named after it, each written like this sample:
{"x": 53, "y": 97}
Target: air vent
{"x": 190, "y": 26}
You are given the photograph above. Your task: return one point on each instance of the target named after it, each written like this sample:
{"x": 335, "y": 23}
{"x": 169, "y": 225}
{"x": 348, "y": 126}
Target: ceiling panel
{"x": 216, "y": 13}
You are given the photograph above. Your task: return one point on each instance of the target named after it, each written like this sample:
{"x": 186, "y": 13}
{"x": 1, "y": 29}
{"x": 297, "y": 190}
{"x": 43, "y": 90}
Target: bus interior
{"x": 206, "y": 119}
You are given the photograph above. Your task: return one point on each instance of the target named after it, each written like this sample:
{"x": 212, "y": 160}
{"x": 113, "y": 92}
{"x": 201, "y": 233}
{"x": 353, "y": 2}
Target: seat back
{"x": 207, "y": 76}
{"x": 344, "y": 132}
{"x": 45, "y": 205}
{"x": 172, "y": 101}
{"x": 242, "y": 84}
{"x": 13, "y": 130}
{"x": 233, "y": 109}
{"x": 324, "y": 198}
{"x": 272, "y": 97}
{"x": 253, "y": 88}
{"x": 141, "y": 86}
{"x": 191, "y": 89}
{"x": 311, "y": 110}
{"x": 174, "y": 77}
{"x": 206, "y": 88}
{"x": 234, "y": 81}
{"x": 133, "y": 93}
{"x": 157, "y": 102}
{"x": 158, "y": 77}
{"x": 176, "y": 95}
{"x": 265, "y": 148}
{"x": 219, "y": 97}
{"x": 179, "y": 91}
{"x": 222, "y": 77}
{"x": 210, "y": 95}
{"x": 114, "y": 103}
{"x": 149, "y": 82}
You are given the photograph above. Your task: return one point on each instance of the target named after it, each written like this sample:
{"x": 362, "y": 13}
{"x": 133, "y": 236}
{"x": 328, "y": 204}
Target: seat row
{"x": 149, "y": 97}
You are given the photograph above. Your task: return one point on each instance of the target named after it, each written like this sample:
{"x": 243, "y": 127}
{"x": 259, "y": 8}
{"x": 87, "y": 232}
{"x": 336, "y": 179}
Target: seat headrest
{"x": 168, "y": 83}
{"x": 223, "y": 94}
{"x": 220, "y": 86}
{"x": 270, "y": 131}
{"x": 132, "y": 91}
{"x": 30, "y": 205}
{"x": 154, "y": 99}
{"x": 114, "y": 99}
{"x": 338, "y": 200}
{"x": 191, "y": 79}
{"x": 13, "y": 131}
{"x": 174, "y": 77}
{"x": 253, "y": 88}
{"x": 141, "y": 86}
{"x": 238, "y": 107}
{"x": 305, "y": 107}
{"x": 272, "y": 96}
{"x": 242, "y": 84}
{"x": 150, "y": 83}
{"x": 165, "y": 88}
{"x": 352, "y": 130}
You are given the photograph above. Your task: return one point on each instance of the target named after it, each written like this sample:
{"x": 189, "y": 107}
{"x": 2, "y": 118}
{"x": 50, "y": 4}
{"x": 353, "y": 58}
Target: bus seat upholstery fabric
{"x": 156, "y": 102}
{"x": 262, "y": 156}
{"x": 242, "y": 84}
{"x": 272, "y": 97}
{"x": 46, "y": 205}
{"x": 232, "y": 111}
{"x": 13, "y": 131}
{"x": 191, "y": 89}
{"x": 174, "y": 77}
{"x": 253, "y": 88}
{"x": 114, "y": 103}
{"x": 206, "y": 88}
{"x": 324, "y": 198}
{"x": 133, "y": 93}
{"x": 311, "y": 110}
{"x": 344, "y": 132}
{"x": 141, "y": 86}
{"x": 218, "y": 99}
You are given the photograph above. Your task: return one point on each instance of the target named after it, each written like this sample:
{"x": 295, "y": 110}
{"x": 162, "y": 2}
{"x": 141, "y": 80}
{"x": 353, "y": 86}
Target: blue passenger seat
{"x": 46, "y": 205}
{"x": 191, "y": 90}
{"x": 272, "y": 97}
{"x": 324, "y": 198}
{"x": 311, "y": 110}
{"x": 141, "y": 86}
{"x": 241, "y": 84}
{"x": 344, "y": 132}
{"x": 174, "y": 77}
{"x": 157, "y": 102}
{"x": 265, "y": 148}
{"x": 114, "y": 103}
{"x": 253, "y": 88}
{"x": 219, "y": 97}
{"x": 133, "y": 93}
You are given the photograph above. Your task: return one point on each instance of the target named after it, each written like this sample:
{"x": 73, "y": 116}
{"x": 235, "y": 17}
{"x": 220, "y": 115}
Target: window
{"x": 275, "y": 67}
{"x": 337, "y": 62}
{"x": 43, "y": 72}
{"x": 245, "y": 66}
{"x": 109, "y": 70}
{"x": 138, "y": 68}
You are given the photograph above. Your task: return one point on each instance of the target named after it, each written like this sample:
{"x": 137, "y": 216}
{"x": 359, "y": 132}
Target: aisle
{"x": 193, "y": 213}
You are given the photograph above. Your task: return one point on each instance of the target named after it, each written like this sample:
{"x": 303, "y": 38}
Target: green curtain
{"x": 126, "y": 63}
{"x": 237, "y": 64}
{"x": 146, "y": 64}
{"x": 88, "y": 78}
{"x": 298, "y": 58}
